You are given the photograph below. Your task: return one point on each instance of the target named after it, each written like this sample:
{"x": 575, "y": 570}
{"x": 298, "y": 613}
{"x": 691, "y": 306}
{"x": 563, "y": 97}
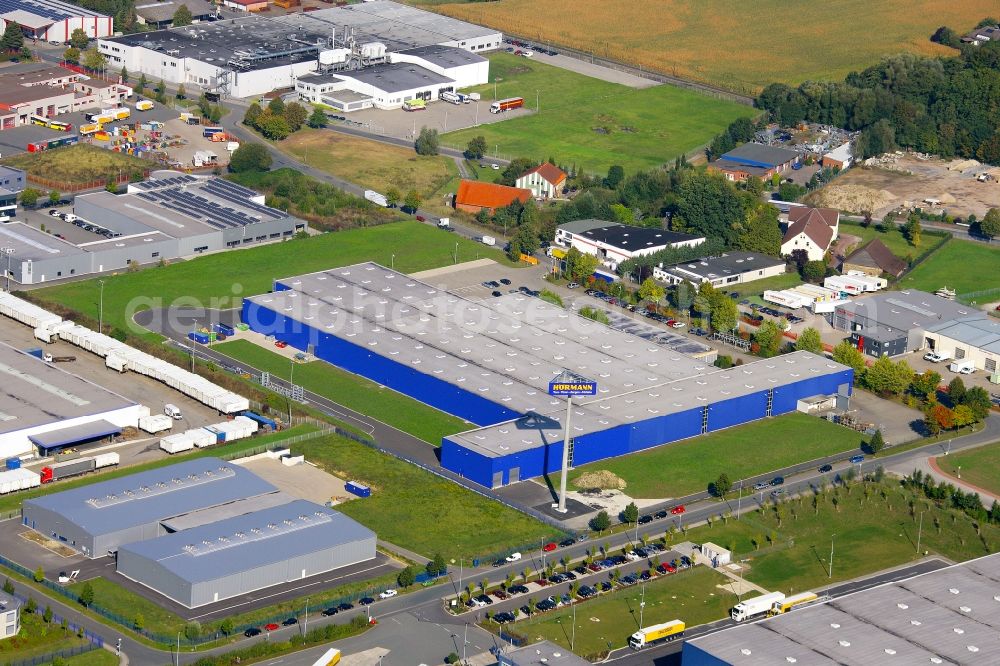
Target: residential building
{"x": 545, "y": 181}
{"x": 730, "y": 268}
{"x": 894, "y": 322}
{"x": 161, "y": 14}
{"x": 840, "y": 157}
{"x": 10, "y": 615}
{"x": 810, "y": 229}
{"x": 613, "y": 243}
{"x": 474, "y": 196}
{"x": 945, "y": 616}
{"x": 975, "y": 339}
{"x": 874, "y": 259}
{"x": 980, "y": 36}
{"x": 54, "y": 20}
{"x": 754, "y": 160}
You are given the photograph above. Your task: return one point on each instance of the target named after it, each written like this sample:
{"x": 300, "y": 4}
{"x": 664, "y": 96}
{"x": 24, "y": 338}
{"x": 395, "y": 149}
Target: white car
{"x": 476, "y": 603}
{"x": 677, "y": 324}
{"x": 513, "y": 557}
{"x": 388, "y": 594}
{"x": 495, "y": 166}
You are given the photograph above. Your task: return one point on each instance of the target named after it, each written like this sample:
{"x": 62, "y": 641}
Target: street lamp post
{"x": 178, "y": 649}
{"x": 7, "y": 251}
{"x": 305, "y": 620}
{"x": 100, "y": 309}
{"x": 920, "y": 531}
{"x": 642, "y": 604}
{"x": 830, "y": 573}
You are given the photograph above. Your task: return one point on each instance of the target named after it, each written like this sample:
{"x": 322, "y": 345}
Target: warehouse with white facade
{"x": 727, "y": 269}
{"x": 613, "y": 243}
{"x": 253, "y": 55}
{"x": 248, "y": 552}
{"x": 40, "y": 400}
{"x": 53, "y": 20}
{"x": 975, "y": 339}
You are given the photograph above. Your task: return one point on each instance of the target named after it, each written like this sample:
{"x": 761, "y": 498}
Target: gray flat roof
{"x": 980, "y": 332}
{"x": 445, "y": 56}
{"x": 34, "y": 393}
{"x": 76, "y": 433}
{"x": 594, "y": 415}
{"x": 947, "y": 616}
{"x": 214, "y": 514}
{"x": 154, "y": 495}
{"x": 543, "y": 653}
{"x": 506, "y": 350}
{"x": 249, "y": 541}
{"x": 757, "y": 154}
{"x": 164, "y": 10}
{"x": 396, "y": 77}
{"x": 30, "y": 243}
{"x": 902, "y": 311}
{"x": 728, "y": 264}
{"x": 8, "y": 602}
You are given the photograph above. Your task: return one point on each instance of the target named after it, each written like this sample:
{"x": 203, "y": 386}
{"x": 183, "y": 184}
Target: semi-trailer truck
{"x": 62, "y": 470}
{"x": 788, "y": 603}
{"x": 657, "y": 633}
{"x": 755, "y": 607}
{"x": 506, "y": 104}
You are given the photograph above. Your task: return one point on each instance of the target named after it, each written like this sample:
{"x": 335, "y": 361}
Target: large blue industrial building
{"x": 491, "y": 363}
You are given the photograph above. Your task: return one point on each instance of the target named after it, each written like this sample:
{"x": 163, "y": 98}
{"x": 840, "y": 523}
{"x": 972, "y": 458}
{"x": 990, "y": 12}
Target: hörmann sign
{"x": 572, "y": 388}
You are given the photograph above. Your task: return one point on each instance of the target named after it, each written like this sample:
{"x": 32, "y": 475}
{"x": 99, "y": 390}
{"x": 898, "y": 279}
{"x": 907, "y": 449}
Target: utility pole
{"x": 178, "y": 649}
{"x": 830, "y": 574}
{"x": 572, "y": 639}
{"x": 100, "y": 309}
{"x": 642, "y": 605}
{"x": 305, "y": 621}
{"x": 920, "y": 531}
{"x": 7, "y": 251}
{"x": 465, "y": 643}
{"x": 194, "y": 327}
{"x": 739, "y": 502}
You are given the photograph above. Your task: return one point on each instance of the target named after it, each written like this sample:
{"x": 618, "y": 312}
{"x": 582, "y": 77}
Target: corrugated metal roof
{"x": 977, "y": 332}
{"x": 151, "y": 496}
{"x": 249, "y": 541}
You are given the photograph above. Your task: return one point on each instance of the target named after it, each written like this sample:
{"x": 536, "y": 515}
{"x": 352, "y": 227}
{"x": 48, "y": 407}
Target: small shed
{"x": 717, "y": 554}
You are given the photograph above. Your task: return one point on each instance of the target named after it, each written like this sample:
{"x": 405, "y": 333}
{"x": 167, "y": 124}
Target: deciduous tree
{"x": 317, "y": 118}
{"x": 250, "y": 157}
{"x": 412, "y": 200}
{"x": 476, "y": 147}
{"x": 78, "y": 39}
{"x": 849, "y": 355}
{"x": 427, "y": 142}
{"x": 651, "y": 290}
{"x": 182, "y": 17}
{"x": 989, "y": 226}
{"x": 809, "y": 340}
{"x": 295, "y": 115}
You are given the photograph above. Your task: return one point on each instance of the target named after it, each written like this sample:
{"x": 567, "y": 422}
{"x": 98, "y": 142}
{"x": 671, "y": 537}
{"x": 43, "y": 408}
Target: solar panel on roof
{"x": 46, "y": 8}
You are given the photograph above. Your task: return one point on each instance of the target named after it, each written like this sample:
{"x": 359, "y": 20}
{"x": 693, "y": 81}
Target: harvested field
{"x": 738, "y": 45}
{"x": 907, "y": 181}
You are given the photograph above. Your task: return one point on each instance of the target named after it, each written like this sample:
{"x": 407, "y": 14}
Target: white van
{"x": 173, "y": 411}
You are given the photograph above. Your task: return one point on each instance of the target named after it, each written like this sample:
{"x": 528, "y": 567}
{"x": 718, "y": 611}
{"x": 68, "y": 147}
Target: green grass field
{"x": 222, "y": 280}
{"x": 675, "y": 470}
{"x": 12, "y": 502}
{"x": 964, "y": 266}
{"x": 353, "y": 391}
{"x": 893, "y": 239}
{"x": 593, "y": 123}
{"x": 605, "y": 622}
{"x": 37, "y": 638}
{"x": 980, "y": 467}
{"x": 93, "y": 658}
{"x": 418, "y": 510}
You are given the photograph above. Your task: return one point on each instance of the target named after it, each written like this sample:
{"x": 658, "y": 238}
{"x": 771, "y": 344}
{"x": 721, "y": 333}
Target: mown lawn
{"x": 980, "y": 467}
{"x": 97, "y": 657}
{"x": 674, "y": 470}
{"x": 222, "y": 280}
{"x": 964, "y": 266}
{"x": 592, "y": 123}
{"x": 419, "y": 511}
{"x": 605, "y": 622}
{"x": 37, "y": 638}
{"x": 353, "y": 391}
{"x": 13, "y": 501}
{"x": 892, "y": 238}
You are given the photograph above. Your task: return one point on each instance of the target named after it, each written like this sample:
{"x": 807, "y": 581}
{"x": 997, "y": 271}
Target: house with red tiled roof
{"x": 810, "y": 229}
{"x": 474, "y": 196}
{"x": 545, "y": 181}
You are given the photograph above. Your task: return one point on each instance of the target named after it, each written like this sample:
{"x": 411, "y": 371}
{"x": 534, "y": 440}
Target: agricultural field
{"x": 221, "y": 280}
{"x": 964, "y": 266}
{"x": 419, "y": 511}
{"x": 605, "y": 622}
{"x": 79, "y": 164}
{"x": 980, "y": 467}
{"x": 751, "y": 44}
{"x": 675, "y": 470}
{"x": 353, "y": 391}
{"x": 595, "y": 124}
{"x": 372, "y": 164}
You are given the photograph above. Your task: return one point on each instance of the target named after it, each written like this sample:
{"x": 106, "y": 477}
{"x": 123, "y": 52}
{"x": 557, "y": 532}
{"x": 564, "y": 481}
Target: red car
{"x": 678, "y": 510}
{"x": 271, "y": 627}
{"x": 666, "y": 569}
{"x": 280, "y": 344}
{"x": 549, "y": 547}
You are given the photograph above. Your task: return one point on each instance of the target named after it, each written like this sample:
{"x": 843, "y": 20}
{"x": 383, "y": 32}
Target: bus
{"x": 51, "y": 124}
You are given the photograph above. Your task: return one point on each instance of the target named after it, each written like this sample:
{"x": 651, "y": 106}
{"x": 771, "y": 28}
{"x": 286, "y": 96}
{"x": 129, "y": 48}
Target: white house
{"x": 613, "y": 243}
{"x": 545, "y": 181}
{"x": 812, "y": 230}
{"x": 727, "y": 269}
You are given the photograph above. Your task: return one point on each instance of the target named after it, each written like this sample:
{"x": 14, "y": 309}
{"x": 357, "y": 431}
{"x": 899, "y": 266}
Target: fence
{"x": 974, "y": 297}
{"x": 51, "y": 656}
{"x": 94, "y": 641}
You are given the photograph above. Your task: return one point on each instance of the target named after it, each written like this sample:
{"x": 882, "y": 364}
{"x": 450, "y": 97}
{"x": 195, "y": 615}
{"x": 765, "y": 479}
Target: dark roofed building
{"x": 811, "y": 230}
{"x": 727, "y": 269}
{"x": 613, "y": 243}
{"x": 754, "y": 160}
{"x": 874, "y": 259}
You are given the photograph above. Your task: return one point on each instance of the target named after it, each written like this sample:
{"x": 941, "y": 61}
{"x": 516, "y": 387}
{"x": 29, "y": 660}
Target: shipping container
{"x": 176, "y": 443}
{"x": 109, "y": 459}
{"x": 358, "y": 489}
{"x": 18, "y": 479}
{"x": 155, "y": 423}
{"x": 13, "y": 463}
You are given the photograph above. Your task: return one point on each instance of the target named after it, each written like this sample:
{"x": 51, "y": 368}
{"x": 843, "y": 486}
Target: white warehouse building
{"x": 253, "y": 55}
{"x": 53, "y": 20}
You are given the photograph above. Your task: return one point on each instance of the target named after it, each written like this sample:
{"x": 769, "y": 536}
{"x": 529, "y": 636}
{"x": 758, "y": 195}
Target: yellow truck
{"x": 104, "y": 116}
{"x": 658, "y": 633}
{"x": 90, "y": 128}
{"x": 120, "y": 113}
{"x": 329, "y": 658}
{"x": 793, "y": 601}
{"x": 144, "y": 105}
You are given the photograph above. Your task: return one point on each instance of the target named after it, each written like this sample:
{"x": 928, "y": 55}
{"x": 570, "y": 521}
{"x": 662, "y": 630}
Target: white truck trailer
{"x": 751, "y": 608}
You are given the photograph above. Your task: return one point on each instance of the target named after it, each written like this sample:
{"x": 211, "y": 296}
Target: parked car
{"x": 280, "y": 344}
{"x": 526, "y": 609}
{"x": 826, "y": 468}
{"x": 549, "y": 547}
{"x": 569, "y": 575}
{"x": 345, "y": 607}
{"x": 629, "y": 580}
{"x": 500, "y": 594}
{"x": 857, "y": 460}
{"x": 645, "y": 575}
{"x": 271, "y": 626}
{"x": 503, "y": 617}
{"x": 763, "y": 485}
{"x": 518, "y": 589}
{"x": 573, "y": 285}
{"x": 504, "y": 281}
{"x": 251, "y": 632}
{"x": 565, "y": 600}
{"x": 678, "y": 510}
{"x": 606, "y": 586}
{"x": 476, "y": 602}
{"x": 660, "y": 514}
{"x": 595, "y": 567}
{"x": 388, "y": 594}
{"x": 777, "y": 492}
{"x": 366, "y": 601}
{"x": 513, "y": 557}
{"x": 586, "y": 591}
{"x": 645, "y": 519}
{"x": 565, "y": 543}
{"x": 499, "y": 563}
{"x": 497, "y": 294}
{"x": 290, "y": 621}
{"x": 777, "y": 481}
{"x": 485, "y": 599}
{"x": 581, "y": 571}
{"x": 666, "y": 568}
{"x": 333, "y": 610}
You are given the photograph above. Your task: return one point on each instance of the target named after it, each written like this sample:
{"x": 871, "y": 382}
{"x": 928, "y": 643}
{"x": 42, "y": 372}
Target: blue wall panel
{"x": 786, "y": 397}
{"x": 667, "y": 428}
{"x": 357, "y": 359}
{"x": 693, "y": 655}
{"x": 466, "y": 463}
{"x": 735, "y": 411}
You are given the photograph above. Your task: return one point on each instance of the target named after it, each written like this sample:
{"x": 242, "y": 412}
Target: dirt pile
{"x": 602, "y": 479}
{"x": 852, "y": 198}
